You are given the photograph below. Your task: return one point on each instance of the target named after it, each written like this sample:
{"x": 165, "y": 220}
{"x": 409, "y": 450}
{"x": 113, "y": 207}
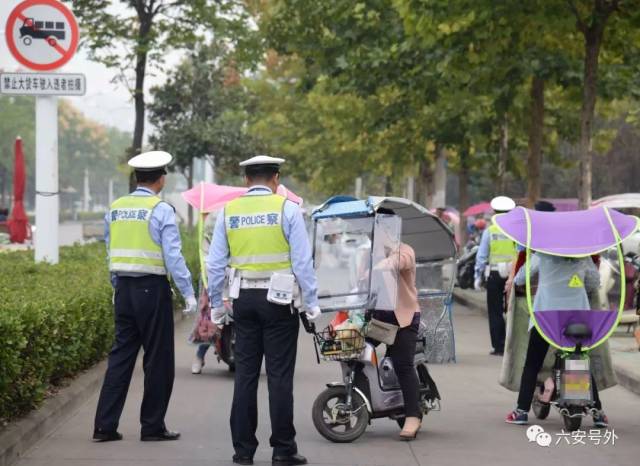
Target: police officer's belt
{"x": 250, "y": 283}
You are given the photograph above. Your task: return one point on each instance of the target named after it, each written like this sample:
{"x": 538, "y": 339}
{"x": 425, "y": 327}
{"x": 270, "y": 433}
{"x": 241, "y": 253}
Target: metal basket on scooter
{"x": 339, "y": 345}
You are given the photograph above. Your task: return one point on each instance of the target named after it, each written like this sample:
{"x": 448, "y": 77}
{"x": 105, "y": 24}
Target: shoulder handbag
{"x": 381, "y": 331}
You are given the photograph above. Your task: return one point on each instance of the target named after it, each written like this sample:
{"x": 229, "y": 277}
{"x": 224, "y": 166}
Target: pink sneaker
{"x": 518, "y": 417}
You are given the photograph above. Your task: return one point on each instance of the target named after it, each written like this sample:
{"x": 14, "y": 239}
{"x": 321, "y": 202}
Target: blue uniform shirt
{"x": 482, "y": 256}
{"x": 296, "y": 234}
{"x": 164, "y": 231}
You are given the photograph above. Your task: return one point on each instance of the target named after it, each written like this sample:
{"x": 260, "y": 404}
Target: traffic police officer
{"x": 143, "y": 242}
{"x": 499, "y": 251}
{"x": 258, "y": 235}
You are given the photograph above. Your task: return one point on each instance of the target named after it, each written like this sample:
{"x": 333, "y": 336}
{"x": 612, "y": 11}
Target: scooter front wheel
{"x": 335, "y": 420}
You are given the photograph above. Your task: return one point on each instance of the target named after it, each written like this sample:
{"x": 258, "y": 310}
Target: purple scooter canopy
{"x": 570, "y": 234}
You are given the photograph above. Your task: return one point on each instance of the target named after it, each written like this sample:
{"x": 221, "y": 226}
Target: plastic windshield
{"x": 342, "y": 256}
{"x": 386, "y": 260}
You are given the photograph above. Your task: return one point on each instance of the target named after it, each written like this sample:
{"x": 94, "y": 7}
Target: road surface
{"x": 468, "y": 430}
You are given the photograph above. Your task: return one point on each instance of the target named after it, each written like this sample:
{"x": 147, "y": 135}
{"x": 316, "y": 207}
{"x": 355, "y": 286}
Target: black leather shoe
{"x": 239, "y": 459}
{"x": 289, "y": 460}
{"x": 160, "y": 436}
{"x": 105, "y": 436}
{"x": 496, "y": 353}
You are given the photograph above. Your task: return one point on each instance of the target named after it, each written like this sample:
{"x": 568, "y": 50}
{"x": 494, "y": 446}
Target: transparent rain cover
{"x": 342, "y": 257}
{"x": 386, "y": 259}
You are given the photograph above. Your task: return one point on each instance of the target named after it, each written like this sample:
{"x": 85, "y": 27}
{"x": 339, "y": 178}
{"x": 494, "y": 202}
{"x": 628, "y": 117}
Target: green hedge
{"x": 55, "y": 320}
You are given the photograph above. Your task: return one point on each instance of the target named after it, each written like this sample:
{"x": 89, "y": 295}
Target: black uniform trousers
{"x": 143, "y": 317}
{"x": 269, "y": 330}
{"x": 495, "y": 308}
{"x": 536, "y": 353}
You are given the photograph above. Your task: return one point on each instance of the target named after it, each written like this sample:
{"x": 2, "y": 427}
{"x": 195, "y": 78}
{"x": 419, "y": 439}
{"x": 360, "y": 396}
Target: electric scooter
{"x": 369, "y": 388}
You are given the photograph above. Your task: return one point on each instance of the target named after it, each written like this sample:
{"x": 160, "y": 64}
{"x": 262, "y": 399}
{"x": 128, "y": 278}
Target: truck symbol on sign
{"x": 47, "y": 30}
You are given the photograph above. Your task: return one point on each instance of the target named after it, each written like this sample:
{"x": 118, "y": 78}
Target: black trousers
{"x": 495, "y": 307}
{"x": 536, "y": 353}
{"x": 402, "y": 354}
{"x": 143, "y": 318}
{"x": 269, "y": 330}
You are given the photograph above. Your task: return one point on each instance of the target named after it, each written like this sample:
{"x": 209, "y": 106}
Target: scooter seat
{"x": 578, "y": 332}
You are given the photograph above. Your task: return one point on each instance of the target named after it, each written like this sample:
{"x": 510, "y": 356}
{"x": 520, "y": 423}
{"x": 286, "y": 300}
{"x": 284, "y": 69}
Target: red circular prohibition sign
{"x": 17, "y": 13}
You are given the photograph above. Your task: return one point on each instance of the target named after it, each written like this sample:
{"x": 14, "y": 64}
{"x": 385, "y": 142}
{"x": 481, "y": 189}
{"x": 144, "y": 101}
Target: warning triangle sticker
{"x": 575, "y": 282}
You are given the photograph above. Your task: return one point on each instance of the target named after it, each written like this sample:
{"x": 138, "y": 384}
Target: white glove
{"x": 477, "y": 284}
{"x": 192, "y": 305}
{"x": 218, "y": 315}
{"x": 313, "y": 312}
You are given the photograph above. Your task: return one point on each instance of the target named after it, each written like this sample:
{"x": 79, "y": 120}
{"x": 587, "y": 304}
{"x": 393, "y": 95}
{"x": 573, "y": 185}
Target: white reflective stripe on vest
{"x": 261, "y": 259}
{"x": 135, "y": 253}
{"x": 261, "y": 275}
{"x": 138, "y": 268}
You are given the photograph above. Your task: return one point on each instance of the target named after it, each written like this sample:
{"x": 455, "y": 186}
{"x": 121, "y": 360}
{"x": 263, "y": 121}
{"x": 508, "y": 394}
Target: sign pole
{"x": 47, "y": 195}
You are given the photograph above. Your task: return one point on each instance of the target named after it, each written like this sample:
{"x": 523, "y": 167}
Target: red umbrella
{"x": 476, "y": 209}
{"x": 18, "y": 221}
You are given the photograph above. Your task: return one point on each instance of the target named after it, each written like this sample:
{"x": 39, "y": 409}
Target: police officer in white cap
{"x": 144, "y": 246}
{"x": 495, "y": 255}
{"x": 261, "y": 236}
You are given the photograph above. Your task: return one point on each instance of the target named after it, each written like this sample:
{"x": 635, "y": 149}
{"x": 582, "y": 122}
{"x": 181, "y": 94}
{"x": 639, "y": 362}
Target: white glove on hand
{"x": 218, "y": 315}
{"x": 313, "y": 312}
{"x": 477, "y": 284}
{"x": 192, "y": 305}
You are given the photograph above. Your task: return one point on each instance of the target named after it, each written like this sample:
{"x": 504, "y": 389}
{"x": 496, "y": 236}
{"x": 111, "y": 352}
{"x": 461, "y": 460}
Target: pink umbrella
{"x": 207, "y": 197}
{"x": 481, "y": 208}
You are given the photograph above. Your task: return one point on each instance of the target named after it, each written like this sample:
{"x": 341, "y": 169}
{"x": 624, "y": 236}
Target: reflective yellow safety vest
{"x": 255, "y": 234}
{"x": 131, "y": 247}
{"x": 501, "y": 248}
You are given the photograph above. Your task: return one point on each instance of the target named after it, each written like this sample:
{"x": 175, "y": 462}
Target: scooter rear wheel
{"x": 426, "y": 383}
{"x": 334, "y": 420}
{"x": 228, "y": 346}
{"x": 572, "y": 423}
{"x": 540, "y": 409}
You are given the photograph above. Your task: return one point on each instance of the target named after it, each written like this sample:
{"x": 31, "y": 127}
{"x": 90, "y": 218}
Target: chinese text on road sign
{"x": 42, "y": 84}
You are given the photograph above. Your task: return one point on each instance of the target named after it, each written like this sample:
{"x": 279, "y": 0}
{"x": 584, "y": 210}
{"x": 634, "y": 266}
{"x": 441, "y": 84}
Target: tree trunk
{"x": 503, "y": 154}
{"x": 592, "y": 50}
{"x": 426, "y": 183}
{"x": 463, "y": 190}
{"x": 440, "y": 178}
{"x": 593, "y": 31}
{"x": 388, "y": 186}
{"x": 536, "y": 130}
{"x": 138, "y": 93}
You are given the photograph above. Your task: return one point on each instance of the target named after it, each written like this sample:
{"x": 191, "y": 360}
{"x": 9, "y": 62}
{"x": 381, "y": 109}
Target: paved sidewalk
{"x": 468, "y": 430}
{"x": 624, "y": 351}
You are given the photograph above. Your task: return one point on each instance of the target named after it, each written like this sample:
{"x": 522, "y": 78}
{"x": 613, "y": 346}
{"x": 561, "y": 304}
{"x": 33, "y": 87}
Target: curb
{"x": 23, "y": 434}
{"x": 20, "y": 436}
{"x": 626, "y": 378}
